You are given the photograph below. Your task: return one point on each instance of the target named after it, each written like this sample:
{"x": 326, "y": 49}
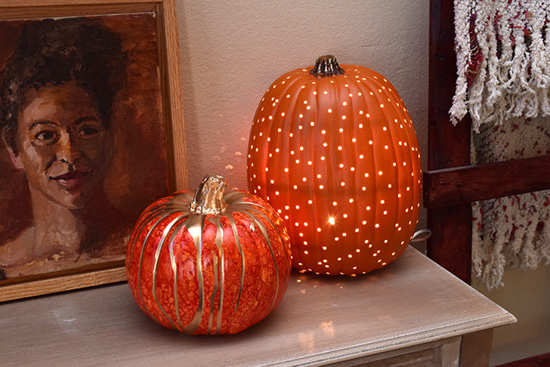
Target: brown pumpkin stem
{"x": 326, "y": 66}
{"x": 208, "y": 198}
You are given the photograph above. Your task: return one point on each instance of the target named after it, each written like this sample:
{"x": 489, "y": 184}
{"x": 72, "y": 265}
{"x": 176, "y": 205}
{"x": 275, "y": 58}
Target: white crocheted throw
{"x": 503, "y": 82}
{"x": 502, "y": 60}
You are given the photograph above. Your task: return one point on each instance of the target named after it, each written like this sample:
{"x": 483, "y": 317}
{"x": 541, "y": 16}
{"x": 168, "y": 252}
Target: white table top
{"x": 320, "y": 320}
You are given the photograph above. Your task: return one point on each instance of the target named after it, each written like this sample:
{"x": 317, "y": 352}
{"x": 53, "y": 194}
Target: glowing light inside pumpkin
{"x": 354, "y": 153}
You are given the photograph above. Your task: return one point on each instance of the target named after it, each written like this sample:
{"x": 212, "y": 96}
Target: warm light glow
{"x": 353, "y": 150}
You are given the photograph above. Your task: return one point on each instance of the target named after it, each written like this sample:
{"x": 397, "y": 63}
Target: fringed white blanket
{"x": 503, "y": 82}
{"x": 502, "y": 60}
{"x": 512, "y": 230}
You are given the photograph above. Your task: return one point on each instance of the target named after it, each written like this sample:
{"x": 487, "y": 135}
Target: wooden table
{"x": 413, "y": 311}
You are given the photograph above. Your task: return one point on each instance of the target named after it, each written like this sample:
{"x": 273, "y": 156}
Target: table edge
{"x": 401, "y": 342}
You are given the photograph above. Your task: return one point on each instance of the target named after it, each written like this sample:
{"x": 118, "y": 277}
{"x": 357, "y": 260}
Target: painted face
{"x": 62, "y": 144}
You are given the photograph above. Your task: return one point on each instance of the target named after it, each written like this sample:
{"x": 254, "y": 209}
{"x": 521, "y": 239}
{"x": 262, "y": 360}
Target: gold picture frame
{"x": 161, "y": 16}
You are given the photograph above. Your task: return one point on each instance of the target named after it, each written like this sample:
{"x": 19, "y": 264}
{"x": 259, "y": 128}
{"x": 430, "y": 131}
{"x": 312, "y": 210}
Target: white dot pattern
{"x": 338, "y": 158}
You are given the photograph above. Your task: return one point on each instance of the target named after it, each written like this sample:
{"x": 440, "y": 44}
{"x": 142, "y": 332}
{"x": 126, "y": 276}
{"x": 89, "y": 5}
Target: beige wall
{"x": 526, "y": 294}
{"x": 233, "y": 50}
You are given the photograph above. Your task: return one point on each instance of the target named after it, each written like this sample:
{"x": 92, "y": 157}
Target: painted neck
{"x": 56, "y": 227}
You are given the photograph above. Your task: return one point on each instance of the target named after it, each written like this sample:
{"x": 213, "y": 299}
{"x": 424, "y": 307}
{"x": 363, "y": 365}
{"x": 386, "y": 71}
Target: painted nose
{"x": 66, "y": 151}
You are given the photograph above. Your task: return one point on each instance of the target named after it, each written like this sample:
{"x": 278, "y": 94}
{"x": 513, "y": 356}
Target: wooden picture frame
{"x": 161, "y": 14}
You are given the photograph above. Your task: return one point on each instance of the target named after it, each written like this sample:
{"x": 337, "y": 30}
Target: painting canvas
{"x": 85, "y": 141}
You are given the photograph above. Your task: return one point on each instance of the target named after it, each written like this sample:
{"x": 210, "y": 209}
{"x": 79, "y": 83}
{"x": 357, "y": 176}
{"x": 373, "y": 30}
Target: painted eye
{"x": 89, "y": 131}
{"x": 46, "y": 136}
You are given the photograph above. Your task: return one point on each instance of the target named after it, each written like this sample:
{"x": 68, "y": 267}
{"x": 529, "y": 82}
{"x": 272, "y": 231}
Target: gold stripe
{"x": 264, "y": 231}
{"x": 213, "y": 294}
{"x": 143, "y": 223}
{"x": 174, "y": 266}
{"x": 191, "y": 224}
{"x": 243, "y": 260}
{"x": 144, "y": 243}
{"x": 219, "y": 244}
{"x": 237, "y": 204}
{"x": 160, "y": 246}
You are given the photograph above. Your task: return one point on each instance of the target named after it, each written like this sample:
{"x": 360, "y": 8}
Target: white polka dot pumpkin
{"x": 334, "y": 151}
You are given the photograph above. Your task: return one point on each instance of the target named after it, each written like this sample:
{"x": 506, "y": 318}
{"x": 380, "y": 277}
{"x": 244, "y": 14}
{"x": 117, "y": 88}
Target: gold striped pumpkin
{"x": 209, "y": 263}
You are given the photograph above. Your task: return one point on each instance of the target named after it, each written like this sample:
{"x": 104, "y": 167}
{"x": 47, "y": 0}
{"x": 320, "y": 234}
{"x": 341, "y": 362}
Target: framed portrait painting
{"x": 92, "y": 132}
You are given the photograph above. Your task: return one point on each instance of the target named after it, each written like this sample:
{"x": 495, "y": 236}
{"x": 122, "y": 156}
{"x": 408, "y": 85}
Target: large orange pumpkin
{"x": 334, "y": 150}
{"x": 212, "y": 263}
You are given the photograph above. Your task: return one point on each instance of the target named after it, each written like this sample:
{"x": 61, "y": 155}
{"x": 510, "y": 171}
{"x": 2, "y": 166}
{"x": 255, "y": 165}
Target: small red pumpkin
{"x": 212, "y": 263}
{"x": 334, "y": 150}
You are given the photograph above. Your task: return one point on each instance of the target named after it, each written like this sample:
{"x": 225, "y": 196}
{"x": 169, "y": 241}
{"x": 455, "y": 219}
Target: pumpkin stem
{"x": 326, "y": 66}
{"x": 208, "y": 198}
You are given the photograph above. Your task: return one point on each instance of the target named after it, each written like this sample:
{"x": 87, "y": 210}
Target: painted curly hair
{"x": 52, "y": 52}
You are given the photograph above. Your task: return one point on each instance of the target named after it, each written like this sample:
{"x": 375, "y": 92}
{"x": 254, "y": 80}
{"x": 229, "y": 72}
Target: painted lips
{"x": 71, "y": 179}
